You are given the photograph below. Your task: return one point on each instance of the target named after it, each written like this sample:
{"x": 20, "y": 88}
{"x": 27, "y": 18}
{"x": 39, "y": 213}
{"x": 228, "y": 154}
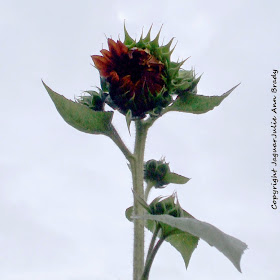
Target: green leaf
{"x": 230, "y": 246}
{"x": 197, "y": 104}
{"x": 174, "y": 178}
{"x": 128, "y": 118}
{"x": 183, "y": 242}
{"x": 80, "y": 116}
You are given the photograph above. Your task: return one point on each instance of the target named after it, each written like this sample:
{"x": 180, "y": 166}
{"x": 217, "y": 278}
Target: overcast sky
{"x": 63, "y": 193}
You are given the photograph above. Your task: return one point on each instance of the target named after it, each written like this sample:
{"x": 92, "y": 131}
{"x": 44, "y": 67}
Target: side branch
{"x": 113, "y": 134}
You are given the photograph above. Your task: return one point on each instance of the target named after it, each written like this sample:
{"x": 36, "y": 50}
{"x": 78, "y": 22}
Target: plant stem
{"x": 137, "y": 169}
{"x": 113, "y": 134}
{"x": 150, "y": 260}
{"x": 152, "y": 244}
{"x": 147, "y": 190}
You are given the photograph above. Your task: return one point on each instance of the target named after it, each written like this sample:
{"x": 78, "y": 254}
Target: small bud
{"x": 158, "y": 173}
{"x": 167, "y": 206}
{"x": 155, "y": 172}
{"x": 94, "y": 100}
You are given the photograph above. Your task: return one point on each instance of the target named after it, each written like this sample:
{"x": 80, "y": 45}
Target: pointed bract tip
{"x": 232, "y": 89}
{"x": 183, "y": 61}
{"x": 148, "y": 36}
{"x": 127, "y": 39}
{"x": 170, "y": 42}
{"x": 155, "y": 41}
{"x": 46, "y": 87}
{"x": 141, "y": 37}
{"x": 174, "y": 46}
{"x": 166, "y": 48}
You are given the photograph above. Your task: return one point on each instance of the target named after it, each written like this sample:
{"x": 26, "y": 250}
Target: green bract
{"x": 176, "y": 79}
{"x": 158, "y": 174}
{"x": 95, "y": 100}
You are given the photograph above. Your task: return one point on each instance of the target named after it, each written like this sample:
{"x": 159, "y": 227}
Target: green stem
{"x": 152, "y": 244}
{"x": 147, "y": 190}
{"x": 137, "y": 169}
{"x": 150, "y": 260}
{"x": 113, "y": 134}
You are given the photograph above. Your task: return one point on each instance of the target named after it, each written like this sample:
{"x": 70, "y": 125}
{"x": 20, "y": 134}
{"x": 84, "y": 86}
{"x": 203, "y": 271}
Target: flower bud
{"x": 166, "y": 206}
{"x": 139, "y": 76}
{"x": 155, "y": 172}
{"x": 94, "y": 100}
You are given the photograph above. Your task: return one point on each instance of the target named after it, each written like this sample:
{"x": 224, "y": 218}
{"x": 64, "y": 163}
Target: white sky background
{"x": 63, "y": 193}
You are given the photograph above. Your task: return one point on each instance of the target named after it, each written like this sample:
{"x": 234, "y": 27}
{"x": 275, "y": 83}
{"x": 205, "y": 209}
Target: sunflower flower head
{"x": 138, "y": 76}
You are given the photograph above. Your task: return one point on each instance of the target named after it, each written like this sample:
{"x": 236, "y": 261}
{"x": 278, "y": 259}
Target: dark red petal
{"x": 123, "y": 47}
{"x": 102, "y": 64}
{"x": 106, "y": 54}
{"x": 99, "y": 61}
{"x": 126, "y": 83}
{"x": 139, "y": 85}
{"x": 113, "y": 77}
{"x": 114, "y": 47}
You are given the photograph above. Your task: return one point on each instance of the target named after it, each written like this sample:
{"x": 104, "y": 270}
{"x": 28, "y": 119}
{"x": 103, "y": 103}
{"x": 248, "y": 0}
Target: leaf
{"x": 184, "y": 242}
{"x": 80, "y": 116}
{"x": 128, "y": 118}
{"x": 174, "y": 178}
{"x": 197, "y": 104}
{"x": 230, "y": 246}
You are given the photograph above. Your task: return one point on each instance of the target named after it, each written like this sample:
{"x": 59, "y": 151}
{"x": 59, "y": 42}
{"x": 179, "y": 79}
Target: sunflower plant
{"x": 139, "y": 80}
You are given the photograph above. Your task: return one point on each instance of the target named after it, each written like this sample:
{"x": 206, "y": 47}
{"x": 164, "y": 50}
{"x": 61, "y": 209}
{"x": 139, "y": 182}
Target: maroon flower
{"x": 134, "y": 76}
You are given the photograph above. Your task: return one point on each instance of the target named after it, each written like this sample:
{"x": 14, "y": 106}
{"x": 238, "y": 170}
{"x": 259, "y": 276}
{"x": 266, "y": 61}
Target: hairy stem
{"x": 152, "y": 244}
{"x": 147, "y": 190}
{"x": 113, "y": 134}
{"x": 137, "y": 169}
{"x": 150, "y": 260}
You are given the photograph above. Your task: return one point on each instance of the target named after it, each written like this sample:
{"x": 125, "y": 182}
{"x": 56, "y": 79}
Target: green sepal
{"x": 166, "y": 48}
{"x": 154, "y": 44}
{"x": 80, "y": 116}
{"x": 185, "y": 82}
{"x": 197, "y": 104}
{"x": 128, "y": 118}
{"x": 94, "y": 101}
{"x": 147, "y": 39}
{"x": 141, "y": 44}
{"x": 158, "y": 174}
{"x": 185, "y": 243}
{"x": 104, "y": 84}
{"x": 175, "y": 67}
{"x": 128, "y": 41}
{"x": 174, "y": 178}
